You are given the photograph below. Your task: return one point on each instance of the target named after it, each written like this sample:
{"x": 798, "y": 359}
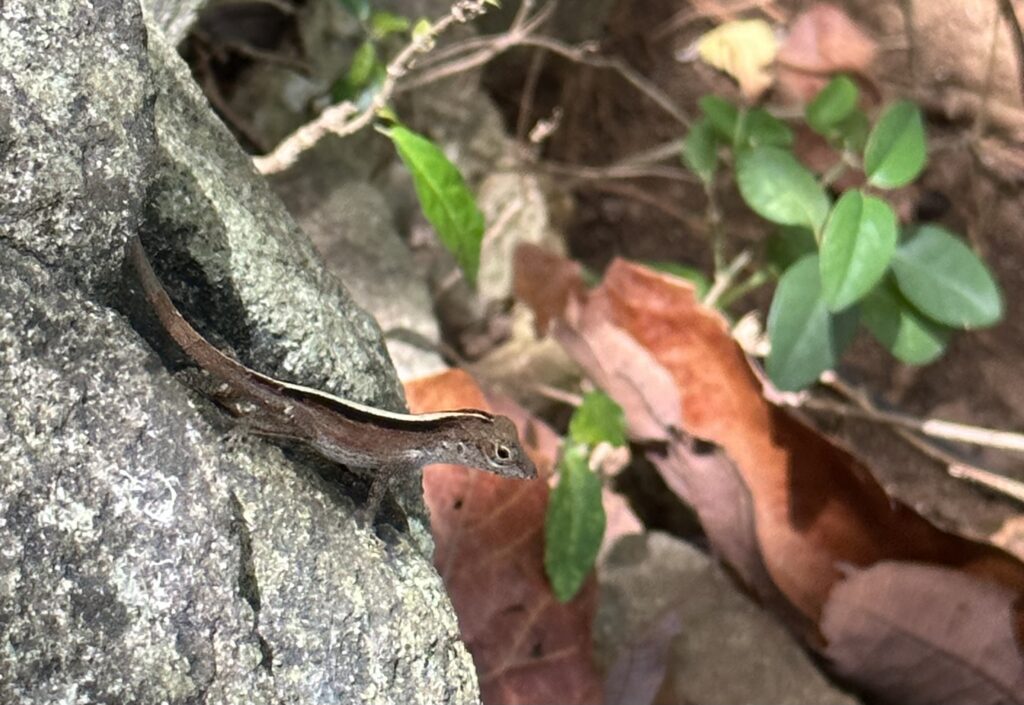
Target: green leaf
{"x": 422, "y": 28}
{"x": 360, "y": 9}
{"x": 444, "y": 197}
{"x": 940, "y": 275}
{"x": 590, "y": 277}
{"x": 696, "y": 277}
{"x": 853, "y": 131}
{"x": 363, "y": 63}
{"x": 384, "y": 23}
{"x": 834, "y": 104}
{"x": 363, "y": 78}
{"x": 856, "y": 247}
{"x": 761, "y": 128}
{"x": 904, "y": 331}
{"x": 806, "y": 338}
{"x": 787, "y": 245}
{"x": 896, "y": 152}
{"x": 700, "y": 150}
{"x": 780, "y": 189}
{"x": 722, "y": 115}
{"x": 598, "y": 419}
{"x": 574, "y": 526}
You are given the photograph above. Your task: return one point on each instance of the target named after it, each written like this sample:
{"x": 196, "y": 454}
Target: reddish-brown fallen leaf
{"x": 818, "y": 155}
{"x": 822, "y": 41}
{"x": 710, "y": 483}
{"x": 915, "y": 633}
{"x": 545, "y": 281}
{"x": 489, "y": 534}
{"x": 625, "y": 370}
{"x": 815, "y": 505}
{"x": 798, "y": 513}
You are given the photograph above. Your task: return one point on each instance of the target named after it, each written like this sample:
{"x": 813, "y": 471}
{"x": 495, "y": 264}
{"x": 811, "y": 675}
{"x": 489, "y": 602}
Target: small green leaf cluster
{"x": 575, "y": 519}
{"x": 446, "y": 200}
{"x": 848, "y": 261}
{"x": 367, "y": 71}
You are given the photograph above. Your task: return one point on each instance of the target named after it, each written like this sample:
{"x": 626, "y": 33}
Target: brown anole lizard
{"x": 340, "y": 430}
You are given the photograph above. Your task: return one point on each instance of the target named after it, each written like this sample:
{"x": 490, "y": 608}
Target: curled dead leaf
{"x": 822, "y": 41}
{"x": 917, "y": 633}
{"x": 546, "y": 282}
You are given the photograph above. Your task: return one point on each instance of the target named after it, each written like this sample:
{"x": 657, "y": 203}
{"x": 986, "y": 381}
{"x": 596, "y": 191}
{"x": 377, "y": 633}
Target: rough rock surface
{"x": 352, "y": 227}
{"x": 728, "y": 650}
{"x": 144, "y": 557}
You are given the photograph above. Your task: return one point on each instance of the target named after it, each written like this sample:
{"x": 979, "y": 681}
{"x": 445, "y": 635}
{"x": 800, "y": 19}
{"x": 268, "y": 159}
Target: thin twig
{"x": 991, "y": 480}
{"x": 618, "y": 170}
{"x": 560, "y": 395}
{"x": 907, "y": 9}
{"x": 946, "y": 430}
{"x": 345, "y": 118}
{"x": 476, "y": 51}
{"x": 583, "y": 54}
{"x": 955, "y": 466}
{"x": 725, "y": 278}
{"x": 982, "y": 117}
{"x": 713, "y": 216}
{"x": 529, "y": 89}
{"x": 666, "y": 150}
{"x": 757, "y": 279}
{"x": 641, "y": 195}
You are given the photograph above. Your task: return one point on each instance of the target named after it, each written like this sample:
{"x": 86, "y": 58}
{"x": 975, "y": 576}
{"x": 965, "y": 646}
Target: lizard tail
{"x": 181, "y": 331}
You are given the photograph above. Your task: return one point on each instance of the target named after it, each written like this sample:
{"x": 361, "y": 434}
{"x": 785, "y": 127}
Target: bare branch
{"x": 345, "y": 118}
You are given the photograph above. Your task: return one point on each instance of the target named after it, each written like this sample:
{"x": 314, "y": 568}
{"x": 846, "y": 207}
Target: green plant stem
{"x": 755, "y": 280}
{"x": 834, "y": 172}
{"x": 713, "y": 215}
{"x": 724, "y": 278}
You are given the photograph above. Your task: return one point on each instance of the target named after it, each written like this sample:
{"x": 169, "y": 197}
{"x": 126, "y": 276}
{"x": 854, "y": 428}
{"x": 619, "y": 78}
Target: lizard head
{"x": 502, "y": 452}
{"x": 489, "y": 443}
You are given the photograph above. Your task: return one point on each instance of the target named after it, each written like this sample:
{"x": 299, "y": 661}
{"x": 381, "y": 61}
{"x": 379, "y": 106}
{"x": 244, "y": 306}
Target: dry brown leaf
{"x": 546, "y": 282}
{"x": 788, "y": 508}
{"x": 815, "y": 152}
{"x": 710, "y": 483}
{"x": 744, "y": 49}
{"x": 916, "y": 633}
{"x": 822, "y": 41}
{"x": 1010, "y": 536}
{"x": 815, "y": 505}
{"x": 489, "y": 536}
{"x": 625, "y": 370}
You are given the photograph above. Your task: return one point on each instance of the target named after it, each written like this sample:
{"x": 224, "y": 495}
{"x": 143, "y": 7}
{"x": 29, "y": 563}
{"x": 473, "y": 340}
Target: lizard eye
{"x": 503, "y": 454}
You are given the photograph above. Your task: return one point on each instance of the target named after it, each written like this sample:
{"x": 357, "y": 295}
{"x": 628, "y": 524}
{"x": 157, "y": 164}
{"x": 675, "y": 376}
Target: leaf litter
{"x": 802, "y": 522}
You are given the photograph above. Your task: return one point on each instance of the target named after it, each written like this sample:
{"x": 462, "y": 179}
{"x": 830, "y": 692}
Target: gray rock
{"x": 143, "y": 558}
{"x": 222, "y": 224}
{"x": 351, "y": 226}
{"x": 173, "y": 17}
{"x": 146, "y": 561}
{"x": 728, "y": 651}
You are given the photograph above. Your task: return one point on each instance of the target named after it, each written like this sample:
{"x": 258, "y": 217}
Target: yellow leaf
{"x": 744, "y": 49}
